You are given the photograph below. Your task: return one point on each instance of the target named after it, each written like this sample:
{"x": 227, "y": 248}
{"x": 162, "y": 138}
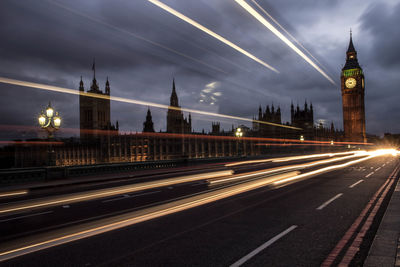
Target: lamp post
{"x": 239, "y": 134}
{"x": 51, "y": 122}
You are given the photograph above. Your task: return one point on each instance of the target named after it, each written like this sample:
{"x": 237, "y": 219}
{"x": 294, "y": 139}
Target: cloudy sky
{"x": 141, "y": 47}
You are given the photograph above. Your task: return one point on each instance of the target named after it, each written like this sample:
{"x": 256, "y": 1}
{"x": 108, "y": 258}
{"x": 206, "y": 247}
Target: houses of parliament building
{"x": 101, "y": 142}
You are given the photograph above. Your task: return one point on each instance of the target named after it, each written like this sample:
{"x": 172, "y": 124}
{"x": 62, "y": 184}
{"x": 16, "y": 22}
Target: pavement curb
{"x": 385, "y": 249}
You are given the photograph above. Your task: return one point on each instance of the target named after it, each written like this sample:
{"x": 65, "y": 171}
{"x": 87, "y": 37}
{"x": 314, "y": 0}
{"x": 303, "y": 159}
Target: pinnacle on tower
{"x": 81, "y": 88}
{"x": 351, "y": 56}
{"x": 107, "y": 87}
{"x": 94, "y": 87}
{"x": 174, "y": 97}
{"x": 351, "y": 46}
{"x": 148, "y": 125}
{"x": 94, "y": 69}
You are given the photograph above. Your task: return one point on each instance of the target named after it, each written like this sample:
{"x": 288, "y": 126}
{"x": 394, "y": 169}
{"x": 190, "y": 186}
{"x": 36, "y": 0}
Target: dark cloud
{"x": 141, "y": 48}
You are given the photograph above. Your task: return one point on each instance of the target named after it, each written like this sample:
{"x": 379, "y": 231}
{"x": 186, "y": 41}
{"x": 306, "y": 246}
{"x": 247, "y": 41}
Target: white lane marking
{"x": 25, "y": 216}
{"x": 329, "y": 201}
{"x": 66, "y": 206}
{"x": 377, "y": 169}
{"x": 128, "y": 196}
{"x": 263, "y": 246}
{"x": 383, "y": 164}
{"x": 397, "y": 189}
{"x": 369, "y": 174}
{"x": 356, "y": 183}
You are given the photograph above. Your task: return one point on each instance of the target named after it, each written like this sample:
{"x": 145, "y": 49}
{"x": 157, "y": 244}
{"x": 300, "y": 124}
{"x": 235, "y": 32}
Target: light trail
{"x": 288, "y": 33}
{"x": 290, "y": 158}
{"x": 78, "y": 232}
{"x": 284, "y": 168}
{"x": 371, "y": 155}
{"x": 109, "y": 224}
{"x": 211, "y": 33}
{"x": 31, "y": 143}
{"x": 131, "y": 101}
{"x": 134, "y": 35}
{"x": 275, "y": 31}
{"x": 96, "y": 194}
{"x": 254, "y": 174}
{"x": 13, "y": 193}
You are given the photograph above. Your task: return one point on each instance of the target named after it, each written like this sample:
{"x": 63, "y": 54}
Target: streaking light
{"x": 210, "y": 32}
{"x": 96, "y": 194}
{"x": 132, "y": 218}
{"x": 134, "y": 35}
{"x": 255, "y": 14}
{"x": 131, "y": 101}
{"x": 370, "y": 155}
{"x": 13, "y": 193}
{"x": 290, "y": 158}
{"x": 117, "y": 222}
{"x": 288, "y": 33}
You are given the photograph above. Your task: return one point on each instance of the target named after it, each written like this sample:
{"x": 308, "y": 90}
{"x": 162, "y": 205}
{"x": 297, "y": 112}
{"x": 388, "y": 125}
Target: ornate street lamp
{"x": 49, "y": 120}
{"x": 239, "y": 134}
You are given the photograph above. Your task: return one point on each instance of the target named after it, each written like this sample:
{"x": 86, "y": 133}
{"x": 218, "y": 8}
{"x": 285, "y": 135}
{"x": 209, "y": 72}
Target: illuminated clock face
{"x": 351, "y": 83}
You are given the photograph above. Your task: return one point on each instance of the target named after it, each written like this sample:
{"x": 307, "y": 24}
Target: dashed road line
{"x": 25, "y": 216}
{"x": 356, "y": 183}
{"x": 369, "y": 174}
{"x": 329, "y": 201}
{"x": 263, "y": 246}
{"x": 377, "y": 169}
{"x": 130, "y": 196}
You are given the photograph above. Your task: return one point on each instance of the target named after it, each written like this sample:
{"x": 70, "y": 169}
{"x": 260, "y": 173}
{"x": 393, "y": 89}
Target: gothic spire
{"x": 81, "y": 88}
{"x": 351, "y": 56}
{"x": 94, "y": 69}
{"x": 174, "y": 96}
{"x": 107, "y": 87}
{"x": 94, "y": 87}
{"x": 351, "y": 48}
{"x": 148, "y": 125}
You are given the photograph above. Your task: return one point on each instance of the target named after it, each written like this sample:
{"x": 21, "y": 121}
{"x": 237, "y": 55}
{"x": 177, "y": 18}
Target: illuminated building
{"x": 148, "y": 125}
{"x": 176, "y": 123}
{"x": 94, "y": 113}
{"x": 353, "y": 89}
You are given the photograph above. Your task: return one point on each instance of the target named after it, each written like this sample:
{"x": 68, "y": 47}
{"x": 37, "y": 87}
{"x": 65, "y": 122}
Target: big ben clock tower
{"x": 352, "y": 83}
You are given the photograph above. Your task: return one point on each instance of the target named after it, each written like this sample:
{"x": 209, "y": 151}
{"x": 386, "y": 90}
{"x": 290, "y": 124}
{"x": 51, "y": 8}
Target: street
{"x": 294, "y": 224}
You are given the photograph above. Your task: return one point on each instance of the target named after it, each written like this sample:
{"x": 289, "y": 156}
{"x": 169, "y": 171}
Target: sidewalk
{"x": 385, "y": 249}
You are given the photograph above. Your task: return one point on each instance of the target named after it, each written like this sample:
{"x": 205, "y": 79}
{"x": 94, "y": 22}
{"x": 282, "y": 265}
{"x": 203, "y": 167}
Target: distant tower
{"x": 176, "y": 123}
{"x": 94, "y": 112}
{"x": 352, "y": 83}
{"x": 148, "y": 125}
{"x": 304, "y": 119}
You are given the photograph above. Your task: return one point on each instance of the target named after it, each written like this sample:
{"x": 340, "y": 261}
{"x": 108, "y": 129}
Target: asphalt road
{"x": 19, "y": 224}
{"x": 293, "y": 225}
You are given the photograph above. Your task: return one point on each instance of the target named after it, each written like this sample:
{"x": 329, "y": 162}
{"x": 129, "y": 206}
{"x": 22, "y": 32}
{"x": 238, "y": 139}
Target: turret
{"x": 107, "y": 87}
{"x": 148, "y": 125}
{"x": 81, "y": 88}
{"x": 351, "y": 56}
{"x": 291, "y": 111}
{"x": 174, "y": 97}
